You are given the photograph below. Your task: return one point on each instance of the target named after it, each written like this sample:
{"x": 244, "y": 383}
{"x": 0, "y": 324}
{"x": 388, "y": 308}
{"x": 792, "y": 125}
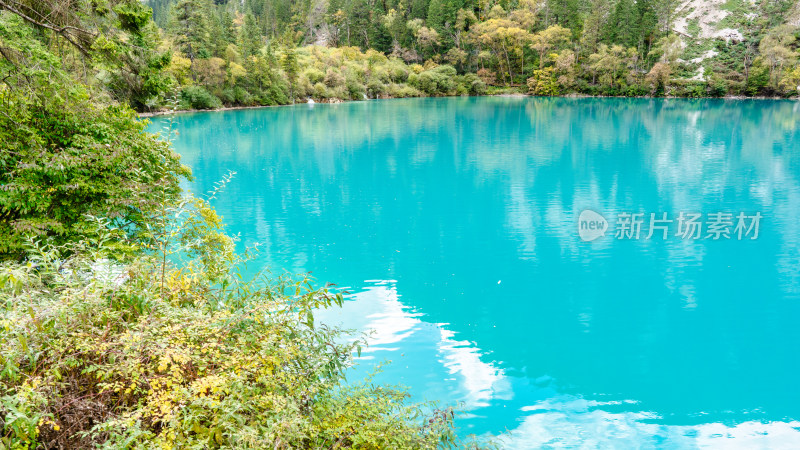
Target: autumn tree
{"x": 549, "y": 39}
{"x": 611, "y": 63}
{"x": 775, "y": 50}
{"x": 390, "y": 21}
{"x": 790, "y": 83}
{"x": 427, "y": 38}
{"x": 526, "y": 14}
{"x": 504, "y": 36}
{"x": 457, "y": 55}
{"x": 658, "y": 78}
{"x": 565, "y": 68}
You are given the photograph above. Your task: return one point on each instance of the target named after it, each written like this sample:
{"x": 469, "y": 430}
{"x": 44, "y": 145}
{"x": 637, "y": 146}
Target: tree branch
{"x": 62, "y": 31}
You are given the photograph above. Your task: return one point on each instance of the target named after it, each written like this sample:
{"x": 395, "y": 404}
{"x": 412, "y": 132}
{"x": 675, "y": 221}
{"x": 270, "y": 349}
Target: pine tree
{"x": 228, "y": 29}
{"x": 250, "y": 36}
{"x": 190, "y": 28}
{"x": 419, "y": 9}
{"x": 565, "y": 13}
{"x": 380, "y": 36}
{"x": 619, "y": 29}
{"x": 291, "y": 69}
{"x": 594, "y": 26}
{"x": 646, "y": 25}
{"x": 359, "y": 23}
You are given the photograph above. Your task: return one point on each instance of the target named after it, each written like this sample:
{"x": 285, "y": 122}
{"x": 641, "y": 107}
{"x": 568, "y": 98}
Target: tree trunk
{"x": 508, "y": 62}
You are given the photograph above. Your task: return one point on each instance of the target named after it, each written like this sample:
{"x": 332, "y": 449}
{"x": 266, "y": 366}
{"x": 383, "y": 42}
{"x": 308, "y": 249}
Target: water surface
{"x": 453, "y": 224}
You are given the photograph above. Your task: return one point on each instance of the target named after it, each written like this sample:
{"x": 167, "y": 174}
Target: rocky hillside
{"x": 713, "y": 32}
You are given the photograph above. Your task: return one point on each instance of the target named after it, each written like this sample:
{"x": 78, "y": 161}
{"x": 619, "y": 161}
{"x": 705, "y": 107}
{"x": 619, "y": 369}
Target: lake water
{"x": 453, "y": 224}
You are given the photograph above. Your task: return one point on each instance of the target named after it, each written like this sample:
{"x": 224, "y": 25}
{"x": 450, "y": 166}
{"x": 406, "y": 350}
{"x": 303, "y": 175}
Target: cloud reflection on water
{"x": 410, "y": 345}
{"x": 439, "y": 359}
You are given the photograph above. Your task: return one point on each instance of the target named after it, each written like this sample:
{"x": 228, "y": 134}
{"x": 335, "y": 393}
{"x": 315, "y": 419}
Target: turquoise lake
{"x": 453, "y": 225}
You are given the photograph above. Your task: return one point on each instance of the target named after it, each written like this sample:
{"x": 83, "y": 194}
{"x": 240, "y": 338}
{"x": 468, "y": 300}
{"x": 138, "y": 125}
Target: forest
{"x": 277, "y": 51}
{"x": 205, "y": 54}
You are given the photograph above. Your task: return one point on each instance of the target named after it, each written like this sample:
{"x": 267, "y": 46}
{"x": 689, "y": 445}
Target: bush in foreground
{"x": 145, "y": 353}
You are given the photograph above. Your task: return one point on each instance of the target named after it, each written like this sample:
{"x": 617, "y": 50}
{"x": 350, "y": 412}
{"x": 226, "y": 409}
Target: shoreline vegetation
{"x": 266, "y": 52}
{"x": 167, "y": 112}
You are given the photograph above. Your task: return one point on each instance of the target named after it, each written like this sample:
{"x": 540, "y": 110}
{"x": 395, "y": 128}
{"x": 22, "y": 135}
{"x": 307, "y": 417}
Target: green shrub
{"x": 353, "y": 71}
{"x": 243, "y": 97}
{"x": 397, "y": 70}
{"x": 436, "y": 81}
{"x": 314, "y": 76}
{"x": 320, "y": 91}
{"x": 717, "y": 86}
{"x": 228, "y": 96}
{"x": 277, "y": 93}
{"x": 64, "y": 155}
{"x": 333, "y": 78}
{"x": 758, "y": 80}
{"x": 426, "y": 82}
{"x": 148, "y": 354}
{"x": 304, "y": 87}
{"x": 375, "y": 87}
{"x": 474, "y": 84}
{"x": 355, "y": 90}
{"x": 380, "y": 74}
{"x": 637, "y": 90}
{"x": 691, "y": 89}
{"x": 402, "y": 91}
{"x": 197, "y": 97}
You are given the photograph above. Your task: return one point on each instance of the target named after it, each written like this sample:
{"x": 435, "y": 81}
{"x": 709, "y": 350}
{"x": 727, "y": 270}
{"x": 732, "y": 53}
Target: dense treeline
{"x": 244, "y": 52}
{"x": 211, "y": 53}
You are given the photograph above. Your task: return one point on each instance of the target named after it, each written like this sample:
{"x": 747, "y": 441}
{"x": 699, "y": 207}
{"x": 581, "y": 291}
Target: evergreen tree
{"x": 228, "y": 29}
{"x": 250, "y": 36}
{"x": 565, "y": 13}
{"x": 620, "y": 27}
{"x": 380, "y": 37}
{"x": 437, "y": 14}
{"x": 646, "y": 25}
{"x": 359, "y": 13}
{"x": 594, "y": 26}
{"x": 217, "y": 43}
{"x": 291, "y": 69}
{"x": 442, "y": 17}
{"x": 419, "y": 9}
{"x": 161, "y": 11}
{"x": 189, "y": 26}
